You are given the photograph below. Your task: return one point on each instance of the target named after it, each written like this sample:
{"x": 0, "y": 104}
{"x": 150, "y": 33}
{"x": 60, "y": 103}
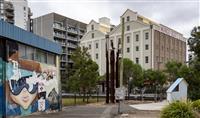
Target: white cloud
{"x": 180, "y": 15}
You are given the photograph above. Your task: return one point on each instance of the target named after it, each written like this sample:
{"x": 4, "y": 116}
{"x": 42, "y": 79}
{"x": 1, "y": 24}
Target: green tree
{"x": 85, "y": 74}
{"x": 155, "y": 80}
{"x": 127, "y": 71}
{"x": 132, "y": 70}
{"x": 137, "y": 80}
{"x": 172, "y": 70}
{"x": 194, "y": 42}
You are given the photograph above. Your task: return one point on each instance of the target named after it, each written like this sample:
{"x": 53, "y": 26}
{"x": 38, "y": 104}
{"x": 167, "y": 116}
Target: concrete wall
{"x": 43, "y": 26}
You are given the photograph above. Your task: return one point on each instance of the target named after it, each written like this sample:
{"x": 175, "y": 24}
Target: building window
{"x": 41, "y": 56}
{"x": 137, "y": 37}
{"x": 137, "y": 60}
{"x": 128, "y": 39}
{"x": 90, "y": 46}
{"x": 30, "y": 53}
{"x": 128, "y": 18}
{"x": 128, "y": 28}
{"x": 97, "y": 45}
{"x": 128, "y": 50}
{"x": 92, "y": 27}
{"x": 97, "y": 56}
{"x": 146, "y": 59}
{"x": 51, "y": 59}
{"x": 146, "y": 47}
{"x": 24, "y": 8}
{"x": 92, "y": 35}
{"x": 146, "y": 35}
{"x": 137, "y": 48}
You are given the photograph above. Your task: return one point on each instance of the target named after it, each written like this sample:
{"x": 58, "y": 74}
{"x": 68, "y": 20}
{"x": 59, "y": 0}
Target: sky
{"x": 180, "y": 15}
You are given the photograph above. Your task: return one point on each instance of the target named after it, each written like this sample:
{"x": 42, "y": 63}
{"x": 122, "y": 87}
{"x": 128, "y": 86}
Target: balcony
{"x": 64, "y": 53}
{"x": 11, "y": 21}
{"x": 63, "y": 44}
{"x": 70, "y": 38}
{"x": 63, "y": 60}
{"x": 57, "y": 35}
{"x": 9, "y": 15}
{"x": 72, "y": 31}
{"x": 70, "y": 61}
{"x": 58, "y": 26}
{"x": 69, "y": 45}
{"x": 81, "y": 33}
{"x": 9, "y": 7}
{"x": 69, "y": 52}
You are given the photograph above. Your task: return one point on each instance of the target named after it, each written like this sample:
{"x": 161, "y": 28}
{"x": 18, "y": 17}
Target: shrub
{"x": 178, "y": 109}
{"x": 196, "y": 105}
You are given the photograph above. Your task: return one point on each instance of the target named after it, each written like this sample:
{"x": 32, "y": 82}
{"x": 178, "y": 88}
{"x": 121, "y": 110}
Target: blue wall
{"x": 17, "y": 34}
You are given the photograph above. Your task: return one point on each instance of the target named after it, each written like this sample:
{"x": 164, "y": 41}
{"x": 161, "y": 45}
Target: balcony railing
{"x": 72, "y": 31}
{"x": 8, "y": 14}
{"x": 59, "y": 35}
{"x": 71, "y": 45}
{"x": 63, "y": 44}
{"x": 72, "y": 38}
{"x": 56, "y": 26}
{"x": 69, "y": 52}
{"x": 70, "y": 61}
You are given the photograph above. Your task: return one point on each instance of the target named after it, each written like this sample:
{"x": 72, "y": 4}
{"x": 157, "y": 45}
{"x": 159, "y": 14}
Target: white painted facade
{"x": 177, "y": 91}
{"x": 137, "y": 46}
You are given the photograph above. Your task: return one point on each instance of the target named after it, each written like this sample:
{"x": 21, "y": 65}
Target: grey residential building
{"x": 63, "y": 30}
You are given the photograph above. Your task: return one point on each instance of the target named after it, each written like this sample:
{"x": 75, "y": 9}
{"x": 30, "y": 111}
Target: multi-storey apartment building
{"x": 7, "y": 11}
{"x": 63, "y": 30}
{"x": 145, "y": 42}
{"x": 16, "y": 12}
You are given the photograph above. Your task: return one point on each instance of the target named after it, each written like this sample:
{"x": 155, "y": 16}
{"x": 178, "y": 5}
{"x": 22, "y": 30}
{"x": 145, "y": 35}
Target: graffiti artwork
{"x": 30, "y": 91}
{"x": 30, "y": 86}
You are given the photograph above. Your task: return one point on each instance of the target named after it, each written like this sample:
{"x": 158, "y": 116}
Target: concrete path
{"x": 151, "y": 106}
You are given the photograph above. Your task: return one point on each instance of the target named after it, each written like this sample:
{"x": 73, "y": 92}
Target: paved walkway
{"x": 103, "y": 111}
{"x": 151, "y": 106}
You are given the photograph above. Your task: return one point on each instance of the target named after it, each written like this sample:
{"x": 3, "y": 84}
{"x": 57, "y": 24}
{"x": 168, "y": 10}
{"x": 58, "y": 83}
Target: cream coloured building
{"x": 145, "y": 42}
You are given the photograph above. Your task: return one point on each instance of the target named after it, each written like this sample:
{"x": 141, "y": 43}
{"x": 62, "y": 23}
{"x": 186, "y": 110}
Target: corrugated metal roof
{"x": 173, "y": 86}
{"x": 17, "y": 34}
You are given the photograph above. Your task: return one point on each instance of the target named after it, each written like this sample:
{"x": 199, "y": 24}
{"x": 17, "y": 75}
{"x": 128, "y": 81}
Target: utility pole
{"x": 122, "y": 48}
{"x": 107, "y": 70}
{"x": 112, "y": 73}
{"x": 117, "y": 66}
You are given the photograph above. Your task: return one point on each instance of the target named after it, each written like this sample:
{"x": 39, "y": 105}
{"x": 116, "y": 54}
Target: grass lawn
{"x": 79, "y": 101}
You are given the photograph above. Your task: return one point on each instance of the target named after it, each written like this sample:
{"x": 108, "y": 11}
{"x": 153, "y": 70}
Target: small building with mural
{"x": 177, "y": 91}
{"x": 29, "y": 73}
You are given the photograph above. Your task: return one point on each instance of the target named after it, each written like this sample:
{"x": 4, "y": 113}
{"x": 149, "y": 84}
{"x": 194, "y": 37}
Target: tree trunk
{"x": 75, "y": 98}
{"x": 87, "y": 97}
{"x": 84, "y": 95}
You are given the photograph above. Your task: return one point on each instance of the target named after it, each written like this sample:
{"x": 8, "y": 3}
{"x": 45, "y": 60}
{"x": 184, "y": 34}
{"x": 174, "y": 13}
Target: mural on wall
{"x": 1, "y": 77}
{"x": 30, "y": 91}
{"x": 1, "y": 86}
{"x": 30, "y": 86}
